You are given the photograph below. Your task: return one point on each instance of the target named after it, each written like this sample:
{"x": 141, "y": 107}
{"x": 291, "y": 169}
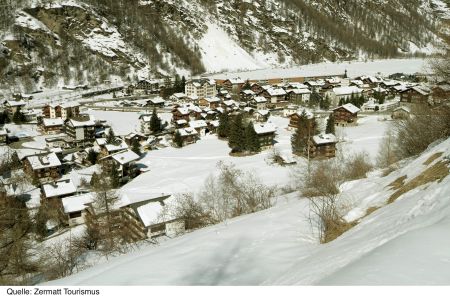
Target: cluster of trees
{"x": 229, "y": 194}
{"x": 367, "y": 29}
{"x": 4, "y": 118}
{"x": 153, "y": 38}
{"x": 358, "y": 101}
{"x": 306, "y": 129}
{"x": 173, "y": 87}
{"x": 379, "y": 96}
{"x": 320, "y": 182}
{"x": 241, "y": 135}
{"x": 410, "y": 137}
{"x": 330, "y": 128}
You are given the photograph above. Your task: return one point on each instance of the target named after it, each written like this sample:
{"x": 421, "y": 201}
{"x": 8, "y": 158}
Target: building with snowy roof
{"x": 346, "y": 115}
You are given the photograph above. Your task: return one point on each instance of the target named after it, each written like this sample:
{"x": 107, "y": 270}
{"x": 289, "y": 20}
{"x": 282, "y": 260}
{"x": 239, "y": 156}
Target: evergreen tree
{"x": 341, "y": 102}
{"x": 183, "y": 83}
{"x": 307, "y": 127}
{"x": 251, "y": 139}
{"x": 224, "y": 125}
{"x": 330, "y": 124}
{"x": 326, "y": 103}
{"x": 94, "y": 179}
{"x": 114, "y": 176}
{"x": 136, "y": 147}
{"x": 18, "y": 117}
{"x": 236, "y": 138}
{"x": 177, "y": 139}
{"x": 155, "y": 122}
{"x": 92, "y": 156}
{"x": 177, "y": 84}
{"x": 247, "y": 85}
{"x": 111, "y": 137}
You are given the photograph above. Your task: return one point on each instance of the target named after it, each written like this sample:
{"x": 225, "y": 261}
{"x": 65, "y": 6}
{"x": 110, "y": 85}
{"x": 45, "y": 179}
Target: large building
{"x": 201, "y": 88}
{"x": 80, "y": 129}
{"x": 63, "y": 111}
{"x": 342, "y": 93}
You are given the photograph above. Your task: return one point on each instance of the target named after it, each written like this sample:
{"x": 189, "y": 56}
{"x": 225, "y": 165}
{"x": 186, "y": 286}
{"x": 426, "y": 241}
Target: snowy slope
{"x": 220, "y": 52}
{"x": 401, "y": 243}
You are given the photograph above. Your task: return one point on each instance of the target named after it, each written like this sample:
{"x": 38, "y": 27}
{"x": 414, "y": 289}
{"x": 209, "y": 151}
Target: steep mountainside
{"x": 399, "y": 243}
{"x": 42, "y": 40}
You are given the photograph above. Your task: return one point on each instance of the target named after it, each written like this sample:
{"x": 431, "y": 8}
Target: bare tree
{"x": 387, "y": 154}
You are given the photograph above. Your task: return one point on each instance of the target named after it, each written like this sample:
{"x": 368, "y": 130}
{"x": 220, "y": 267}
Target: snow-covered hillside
{"x": 101, "y": 38}
{"x": 403, "y": 242}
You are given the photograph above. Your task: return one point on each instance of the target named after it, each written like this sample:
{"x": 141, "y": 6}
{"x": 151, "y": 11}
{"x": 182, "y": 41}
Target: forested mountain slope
{"x": 44, "y": 40}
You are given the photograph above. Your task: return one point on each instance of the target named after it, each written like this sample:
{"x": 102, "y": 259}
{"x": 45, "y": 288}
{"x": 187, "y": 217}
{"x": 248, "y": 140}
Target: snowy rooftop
{"x": 187, "y": 132}
{"x": 157, "y": 100}
{"x": 276, "y": 91}
{"x": 183, "y": 110}
{"x": 77, "y": 203}
{"x": 50, "y": 122}
{"x": 15, "y": 103}
{"x": 212, "y": 99}
{"x": 349, "y": 107}
{"x": 346, "y": 90}
{"x": 59, "y": 188}
{"x": 260, "y": 100}
{"x": 300, "y": 91}
{"x": 264, "y": 128}
{"x": 197, "y": 124}
{"x": 44, "y": 161}
{"x": 125, "y": 157}
{"x": 324, "y": 139}
{"x": 70, "y": 105}
{"x": 82, "y": 123}
{"x": 407, "y": 109}
{"x": 179, "y": 95}
{"x": 248, "y": 92}
{"x": 116, "y": 147}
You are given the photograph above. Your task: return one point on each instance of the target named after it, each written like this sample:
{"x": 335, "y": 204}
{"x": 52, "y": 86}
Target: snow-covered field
{"x": 354, "y": 68}
{"x": 402, "y": 243}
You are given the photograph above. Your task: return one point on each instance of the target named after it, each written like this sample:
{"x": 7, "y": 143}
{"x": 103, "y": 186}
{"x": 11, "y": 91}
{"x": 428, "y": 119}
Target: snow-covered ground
{"x": 220, "y": 52}
{"x": 402, "y": 243}
{"x": 354, "y": 68}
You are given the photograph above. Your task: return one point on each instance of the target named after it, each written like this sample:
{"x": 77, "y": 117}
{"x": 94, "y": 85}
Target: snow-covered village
{"x": 248, "y": 172}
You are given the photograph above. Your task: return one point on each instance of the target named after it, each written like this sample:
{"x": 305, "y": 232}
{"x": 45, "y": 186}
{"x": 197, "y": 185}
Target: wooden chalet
{"x": 266, "y": 134}
{"x": 155, "y": 103}
{"x": 246, "y": 95}
{"x": 346, "y": 115}
{"x": 12, "y": 107}
{"x": 233, "y": 86}
{"x": 43, "y": 167}
{"x": 133, "y": 137}
{"x": 188, "y": 135}
{"x": 401, "y": 112}
{"x": 300, "y": 118}
{"x": 179, "y": 113}
{"x": 149, "y": 86}
{"x": 298, "y": 96}
{"x": 415, "y": 94}
{"x": 209, "y": 102}
{"x": 259, "y": 103}
{"x": 63, "y": 111}
{"x": 322, "y": 146}
{"x": 52, "y": 125}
